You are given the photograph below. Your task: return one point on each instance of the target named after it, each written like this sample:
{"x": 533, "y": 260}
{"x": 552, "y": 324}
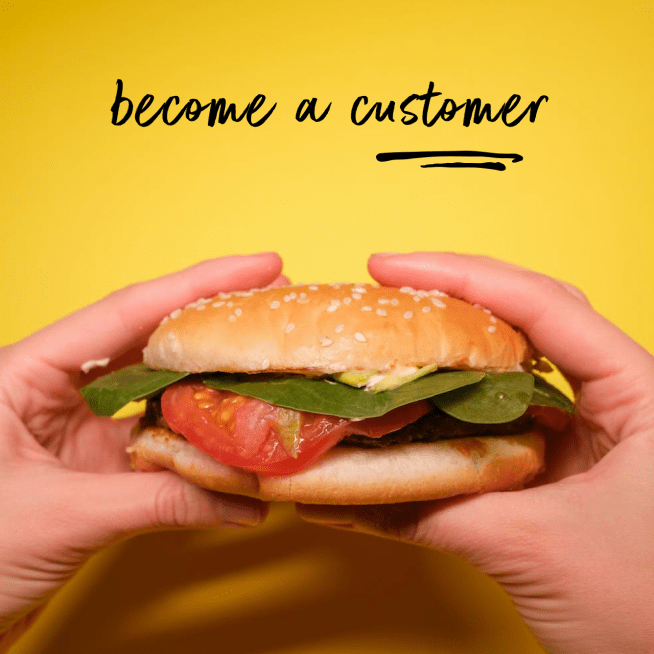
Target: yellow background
{"x": 87, "y": 207}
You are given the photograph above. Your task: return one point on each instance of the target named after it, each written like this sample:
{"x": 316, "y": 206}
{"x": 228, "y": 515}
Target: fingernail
{"x": 241, "y": 513}
{"x": 330, "y": 516}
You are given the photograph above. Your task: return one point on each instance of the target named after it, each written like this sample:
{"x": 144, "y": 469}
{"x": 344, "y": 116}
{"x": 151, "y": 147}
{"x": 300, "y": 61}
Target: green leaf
{"x": 498, "y": 398}
{"x": 334, "y": 399}
{"x": 108, "y": 394}
{"x": 547, "y": 395}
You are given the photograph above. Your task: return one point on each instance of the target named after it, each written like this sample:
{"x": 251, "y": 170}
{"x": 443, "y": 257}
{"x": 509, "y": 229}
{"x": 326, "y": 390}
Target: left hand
{"x": 66, "y": 485}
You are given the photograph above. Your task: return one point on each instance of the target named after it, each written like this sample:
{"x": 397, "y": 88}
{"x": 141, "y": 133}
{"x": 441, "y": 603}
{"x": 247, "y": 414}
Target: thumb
{"x": 119, "y": 505}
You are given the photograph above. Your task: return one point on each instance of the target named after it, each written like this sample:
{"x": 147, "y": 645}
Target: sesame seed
{"x": 333, "y": 305}
{"x": 408, "y": 314}
{"x": 383, "y": 301}
{"x": 289, "y": 328}
{"x": 164, "y": 320}
{"x": 265, "y": 364}
{"x": 231, "y": 318}
{"x": 175, "y": 313}
{"x": 275, "y": 304}
{"x": 313, "y": 287}
{"x": 366, "y": 308}
{"x": 488, "y": 311}
{"x": 417, "y": 298}
{"x": 302, "y": 300}
{"x": 199, "y": 307}
{"x": 407, "y": 289}
{"x": 493, "y": 319}
{"x": 230, "y": 304}
{"x": 339, "y": 328}
{"x": 238, "y": 312}
{"x": 171, "y": 336}
{"x": 492, "y": 329}
{"x": 360, "y": 337}
{"x": 381, "y": 312}
{"x": 326, "y": 342}
{"x": 356, "y": 296}
{"x": 218, "y": 304}
{"x": 395, "y": 301}
{"x": 347, "y": 300}
{"x": 336, "y": 286}
{"x": 358, "y": 289}
{"x": 438, "y": 303}
{"x": 426, "y": 309}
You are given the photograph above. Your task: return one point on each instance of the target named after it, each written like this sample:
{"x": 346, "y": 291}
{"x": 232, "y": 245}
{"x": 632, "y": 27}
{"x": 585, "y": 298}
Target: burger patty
{"x": 433, "y": 426}
{"x": 437, "y": 425}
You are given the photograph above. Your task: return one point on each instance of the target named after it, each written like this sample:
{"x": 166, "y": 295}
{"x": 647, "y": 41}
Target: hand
{"x": 575, "y": 551}
{"x": 66, "y": 485}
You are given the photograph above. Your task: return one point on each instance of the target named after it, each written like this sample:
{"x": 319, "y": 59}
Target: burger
{"x": 338, "y": 394}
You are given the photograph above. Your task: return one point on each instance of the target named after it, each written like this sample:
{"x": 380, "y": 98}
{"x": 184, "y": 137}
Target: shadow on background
{"x": 285, "y": 587}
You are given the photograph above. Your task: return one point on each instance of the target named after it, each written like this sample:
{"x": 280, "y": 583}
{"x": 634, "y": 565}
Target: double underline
{"x": 489, "y": 165}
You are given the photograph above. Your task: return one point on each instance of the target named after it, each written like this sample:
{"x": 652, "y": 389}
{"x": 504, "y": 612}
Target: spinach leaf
{"x": 547, "y": 395}
{"x": 497, "y": 398}
{"x": 112, "y": 392}
{"x": 335, "y": 399}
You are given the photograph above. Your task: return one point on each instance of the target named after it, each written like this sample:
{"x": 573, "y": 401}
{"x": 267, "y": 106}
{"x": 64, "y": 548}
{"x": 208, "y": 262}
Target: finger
{"x": 122, "y": 504}
{"x": 123, "y": 320}
{"x": 483, "y": 529}
{"x": 561, "y": 326}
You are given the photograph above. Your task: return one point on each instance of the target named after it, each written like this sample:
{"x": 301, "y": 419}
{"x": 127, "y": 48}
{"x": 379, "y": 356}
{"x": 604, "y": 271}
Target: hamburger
{"x": 338, "y": 394}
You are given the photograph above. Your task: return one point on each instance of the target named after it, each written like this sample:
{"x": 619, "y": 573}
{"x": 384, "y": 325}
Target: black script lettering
{"x": 380, "y": 115}
{"x": 532, "y": 110}
{"x": 220, "y": 110}
{"x": 448, "y": 110}
{"x": 115, "y": 107}
{"x": 473, "y": 112}
{"x": 404, "y": 105}
{"x": 426, "y": 98}
{"x": 510, "y": 105}
{"x": 165, "y": 107}
{"x": 143, "y": 105}
{"x": 307, "y": 109}
{"x": 254, "y": 107}
{"x": 192, "y": 110}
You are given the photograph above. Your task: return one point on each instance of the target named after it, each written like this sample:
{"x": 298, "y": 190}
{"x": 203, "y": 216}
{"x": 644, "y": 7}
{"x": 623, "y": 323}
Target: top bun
{"x": 330, "y": 328}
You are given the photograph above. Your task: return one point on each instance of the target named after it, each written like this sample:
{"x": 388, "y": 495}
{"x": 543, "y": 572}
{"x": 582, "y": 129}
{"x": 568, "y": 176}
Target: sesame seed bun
{"x": 349, "y": 475}
{"x": 330, "y": 328}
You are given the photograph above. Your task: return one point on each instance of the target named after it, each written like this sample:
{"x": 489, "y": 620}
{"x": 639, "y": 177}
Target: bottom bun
{"x": 350, "y": 475}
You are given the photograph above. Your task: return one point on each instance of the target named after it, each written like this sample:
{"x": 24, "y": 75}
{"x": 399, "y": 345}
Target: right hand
{"x": 575, "y": 551}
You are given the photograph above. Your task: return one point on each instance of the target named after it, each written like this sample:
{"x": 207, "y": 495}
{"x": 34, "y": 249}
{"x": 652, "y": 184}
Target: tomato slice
{"x": 252, "y": 434}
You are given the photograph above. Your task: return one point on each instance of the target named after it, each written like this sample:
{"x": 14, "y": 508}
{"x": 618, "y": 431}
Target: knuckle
{"x": 171, "y": 505}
